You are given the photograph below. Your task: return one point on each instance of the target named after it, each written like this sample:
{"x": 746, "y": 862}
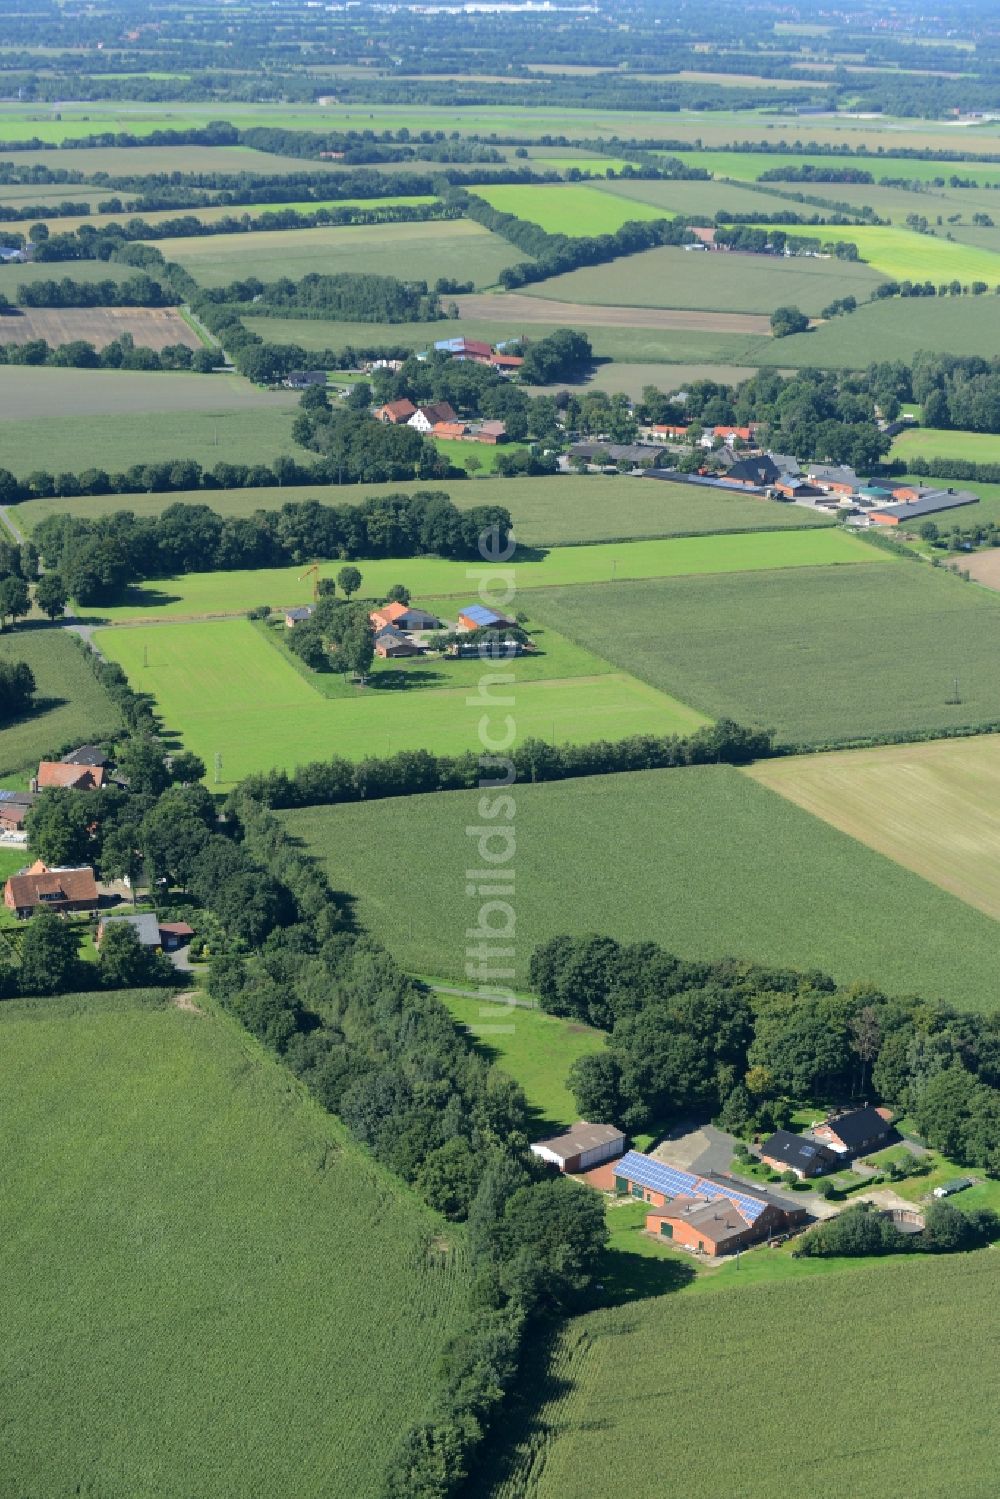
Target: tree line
{"x": 96, "y": 558}
{"x": 371, "y": 1045}
{"x": 414, "y": 772}
{"x": 140, "y": 290}
{"x": 745, "y": 1043}
{"x": 348, "y": 296}
{"x": 122, "y": 353}
{"x": 554, "y": 253}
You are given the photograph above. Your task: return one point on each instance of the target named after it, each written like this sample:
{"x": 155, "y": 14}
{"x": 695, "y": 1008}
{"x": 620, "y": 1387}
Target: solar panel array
{"x": 9, "y": 796}
{"x": 646, "y": 1172}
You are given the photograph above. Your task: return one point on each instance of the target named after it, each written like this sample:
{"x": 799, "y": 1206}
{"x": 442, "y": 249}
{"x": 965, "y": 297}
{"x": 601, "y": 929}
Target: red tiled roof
{"x": 67, "y": 884}
{"x": 79, "y": 777}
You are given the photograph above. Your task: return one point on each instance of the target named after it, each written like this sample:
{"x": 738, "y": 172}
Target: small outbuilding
{"x": 478, "y": 617}
{"x": 175, "y": 934}
{"x": 949, "y": 1188}
{"x": 295, "y": 617}
{"x": 582, "y": 1147}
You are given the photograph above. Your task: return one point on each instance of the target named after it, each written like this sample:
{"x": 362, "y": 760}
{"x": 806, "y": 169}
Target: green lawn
{"x": 672, "y": 277}
{"x": 536, "y": 1049}
{"x": 210, "y": 1289}
{"x": 617, "y": 1375}
{"x": 71, "y": 707}
{"x": 223, "y": 689}
{"x": 935, "y": 442}
{"x": 423, "y": 251}
{"x": 551, "y": 511}
{"x": 463, "y": 454}
{"x": 703, "y": 860}
{"x": 819, "y": 655}
{"x": 228, "y": 592}
{"x": 72, "y": 443}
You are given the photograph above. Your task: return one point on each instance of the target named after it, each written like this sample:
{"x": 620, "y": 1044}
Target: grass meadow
{"x": 59, "y": 443}
{"x": 222, "y": 689}
{"x": 573, "y": 208}
{"x": 934, "y": 808}
{"x": 901, "y": 254}
{"x": 236, "y": 591}
{"x": 71, "y": 707}
{"x": 567, "y": 509}
{"x": 723, "y": 282}
{"x": 935, "y": 442}
{"x": 911, "y": 1332}
{"x": 416, "y": 252}
{"x": 704, "y": 861}
{"x": 817, "y": 655}
{"x": 202, "y": 1259}
{"x": 536, "y": 1049}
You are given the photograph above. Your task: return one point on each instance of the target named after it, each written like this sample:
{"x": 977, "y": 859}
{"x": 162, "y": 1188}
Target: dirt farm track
{"x": 154, "y": 327}
{"x": 512, "y": 308}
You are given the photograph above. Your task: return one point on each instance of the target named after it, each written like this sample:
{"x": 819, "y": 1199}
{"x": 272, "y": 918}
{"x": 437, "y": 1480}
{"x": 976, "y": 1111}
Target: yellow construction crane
{"x": 315, "y": 577}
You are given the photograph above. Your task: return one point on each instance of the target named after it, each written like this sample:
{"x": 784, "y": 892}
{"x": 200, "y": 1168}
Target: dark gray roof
{"x": 859, "y": 1125}
{"x": 87, "y": 754}
{"x": 929, "y": 503}
{"x": 761, "y": 471}
{"x": 833, "y": 473}
{"x": 614, "y": 452}
{"x": 796, "y": 1151}
{"x": 304, "y": 611}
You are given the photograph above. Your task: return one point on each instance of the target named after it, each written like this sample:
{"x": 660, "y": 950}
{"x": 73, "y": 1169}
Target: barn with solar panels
{"x": 711, "y": 1214}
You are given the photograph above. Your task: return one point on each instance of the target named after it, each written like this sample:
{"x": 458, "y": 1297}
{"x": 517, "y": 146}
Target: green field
{"x": 671, "y": 277}
{"x": 236, "y": 591}
{"x": 704, "y": 861}
{"x": 817, "y": 655}
{"x": 58, "y": 443}
{"x": 457, "y": 248}
{"x": 930, "y": 806}
{"x": 546, "y": 512}
{"x": 575, "y": 208}
{"x": 897, "y": 328}
{"x": 71, "y": 707}
{"x": 935, "y": 442}
{"x": 221, "y": 688}
{"x": 67, "y": 224}
{"x": 627, "y": 344}
{"x": 897, "y": 1348}
{"x": 201, "y": 1258}
{"x": 901, "y": 254}
{"x": 460, "y": 453}
{"x": 536, "y": 1049}
{"x": 704, "y": 198}
{"x": 29, "y": 391}
{"x": 746, "y": 166}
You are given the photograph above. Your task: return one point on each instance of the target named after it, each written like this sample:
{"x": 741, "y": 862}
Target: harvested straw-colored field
{"x": 934, "y": 808}
{"x": 154, "y": 327}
